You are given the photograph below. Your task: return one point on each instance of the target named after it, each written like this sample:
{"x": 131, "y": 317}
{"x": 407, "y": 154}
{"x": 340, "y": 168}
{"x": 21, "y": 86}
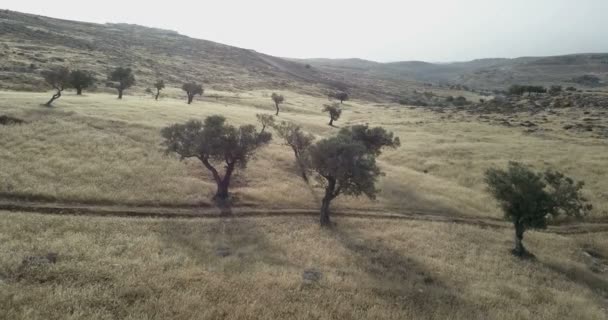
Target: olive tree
{"x": 59, "y": 79}
{"x": 342, "y": 96}
{"x": 346, "y": 164}
{"x": 334, "y": 111}
{"x": 529, "y": 198}
{"x": 215, "y": 143}
{"x": 298, "y": 140}
{"x": 81, "y": 79}
{"x": 266, "y": 120}
{"x": 121, "y": 79}
{"x": 278, "y": 99}
{"x": 192, "y": 89}
{"x": 159, "y": 85}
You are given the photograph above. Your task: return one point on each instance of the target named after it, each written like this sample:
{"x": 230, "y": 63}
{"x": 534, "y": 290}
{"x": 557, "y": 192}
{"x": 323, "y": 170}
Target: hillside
{"x": 478, "y": 74}
{"x": 31, "y": 43}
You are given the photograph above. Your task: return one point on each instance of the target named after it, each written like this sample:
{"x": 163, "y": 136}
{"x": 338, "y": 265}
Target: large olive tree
{"x": 192, "y": 89}
{"x": 121, "y": 79}
{"x": 346, "y": 164}
{"x": 81, "y": 79}
{"x": 277, "y": 99}
{"x": 215, "y": 143}
{"x": 334, "y": 111}
{"x": 528, "y": 198}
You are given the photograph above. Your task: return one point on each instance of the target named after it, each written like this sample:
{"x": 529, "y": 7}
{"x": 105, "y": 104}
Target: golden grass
{"x": 96, "y": 148}
{"x": 109, "y": 268}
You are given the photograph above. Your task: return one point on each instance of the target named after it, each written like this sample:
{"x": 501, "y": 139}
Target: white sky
{"x": 381, "y": 30}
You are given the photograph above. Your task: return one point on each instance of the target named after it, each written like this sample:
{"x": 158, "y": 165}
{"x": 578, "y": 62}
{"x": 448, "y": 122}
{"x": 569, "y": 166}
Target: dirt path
{"x": 184, "y": 212}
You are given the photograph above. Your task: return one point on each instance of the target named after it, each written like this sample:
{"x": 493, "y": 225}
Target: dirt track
{"x": 593, "y": 226}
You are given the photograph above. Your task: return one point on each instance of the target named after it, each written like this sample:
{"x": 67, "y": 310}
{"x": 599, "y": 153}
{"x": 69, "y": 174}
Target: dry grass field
{"x": 98, "y": 149}
{"x": 252, "y": 268}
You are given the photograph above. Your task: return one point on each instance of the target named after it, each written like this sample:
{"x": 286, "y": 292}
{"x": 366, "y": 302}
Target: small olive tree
{"x": 298, "y": 140}
{"x": 346, "y": 164}
{"x": 278, "y": 99}
{"x": 159, "y": 85}
{"x": 213, "y": 142}
{"x": 528, "y": 198}
{"x": 121, "y": 79}
{"x": 334, "y": 111}
{"x": 59, "y": 79}
{"x": 342, "y": 96}
{"x": 81, "y": 79}
{"x": 192, "y": 89}
{"x": 266, "y": 120}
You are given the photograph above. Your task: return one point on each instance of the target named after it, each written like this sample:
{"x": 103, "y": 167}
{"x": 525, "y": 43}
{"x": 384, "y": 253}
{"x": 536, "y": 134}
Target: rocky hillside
{"x": 31, "y": 43}
{"x": 484, "y": 73}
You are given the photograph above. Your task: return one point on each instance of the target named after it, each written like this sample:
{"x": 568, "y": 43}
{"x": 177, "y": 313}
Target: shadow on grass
{"x": 596, "y": 282}
{"x": 232, "y": 244}
{"x": 403, "y": 281}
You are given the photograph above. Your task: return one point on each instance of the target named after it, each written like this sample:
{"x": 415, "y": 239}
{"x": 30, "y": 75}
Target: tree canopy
{"x": 192, "y": 89}
{"x": 346, "y": 164}
{"x": 278, "y": 99}
{"x": 528, "y": 198}
{"x": 334, "y": 111}
{"x": 59, "y": 79}
{"x": 214, "y": 143}
{"x": 81, "y": 79}
{"x": 121, "y": 79}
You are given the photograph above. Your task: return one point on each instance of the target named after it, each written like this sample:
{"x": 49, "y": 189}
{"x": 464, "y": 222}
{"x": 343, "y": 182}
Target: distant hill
{"x": 481, "y": 74}
{"x": 31, "y": 43}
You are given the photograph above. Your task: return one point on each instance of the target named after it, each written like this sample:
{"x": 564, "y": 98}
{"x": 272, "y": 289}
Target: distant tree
{"x": 214, "y": 143}
{"x": 334, "y": 111}
{"x": 342, "y": 96}
{"x": 298, "y": 140}
{"x": 278, "y": 99}
{"x": 266, "y": 120}
{"x": 121, "y": 79}
{"x": 528, "y": 198}
{"x": 346, "y": 164}
{"x": 59, "y": 79}
{"x": 81, "y": 79}
{"x": 159, "y": 85}
{"x": 587, "y": 80}
{"x": 570, "y": 89}
{"x": 192, "y": 89}
{"x": 555, "y": 90}
{"x": 520, "y": 90}
{"x": 460, "y": 101}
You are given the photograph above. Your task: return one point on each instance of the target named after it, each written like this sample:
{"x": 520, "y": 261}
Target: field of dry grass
{"x": 252, "y": 268}
{"x": 97, "y": 149}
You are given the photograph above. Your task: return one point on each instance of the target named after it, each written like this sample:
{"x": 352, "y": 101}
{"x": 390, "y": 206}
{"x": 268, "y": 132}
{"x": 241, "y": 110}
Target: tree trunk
{"x": 119, "y": 93}
{"x": 190, "y": 98}
{"x": 519, "y": 249}
{"x": 325, "y": 221}
{"x": 78, "y": 91}
{"x": 277, "y": 106}
{"x": 329, "y": 195}
{"x": 56, "y": 96}
{"x": 331, "y": 122}
{"x": 224, "y": 183}
{"x": 157, "y": 94}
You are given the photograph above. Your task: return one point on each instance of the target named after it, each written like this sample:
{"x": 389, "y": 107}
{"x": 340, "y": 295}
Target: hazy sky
{"x": 382, "y": 30}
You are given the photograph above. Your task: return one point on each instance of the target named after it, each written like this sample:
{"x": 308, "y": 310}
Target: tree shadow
{"x": 403, "y": 281}
{"x": 596, "y": 282}
{"x": 226, "y": 243}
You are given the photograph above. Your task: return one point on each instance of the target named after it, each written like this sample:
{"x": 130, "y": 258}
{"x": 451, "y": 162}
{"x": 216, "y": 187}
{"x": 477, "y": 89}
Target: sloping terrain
{"x": 29, "y": 43}
{"x": 479, "y": 74}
